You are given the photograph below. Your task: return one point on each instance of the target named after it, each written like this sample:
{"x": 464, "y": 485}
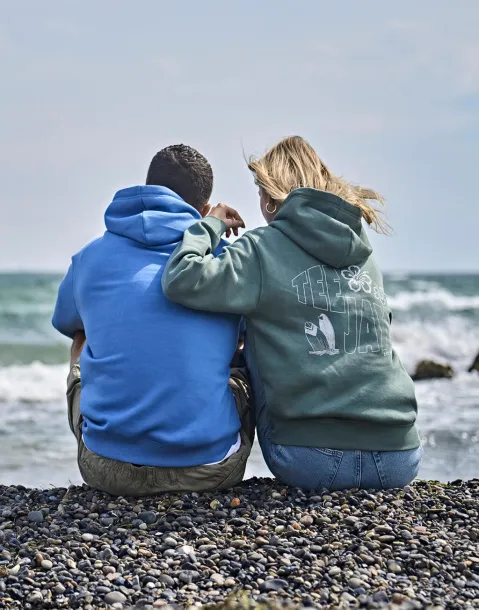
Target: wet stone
{"x": 218, "y": 579}
{"x": 87, "y": 537}
{"x": 166, "y": 580}
{"x": 149, "y": 517}
{"x": 188, "y": 576}
{"x": 354, "y": 583}
{"x": 36, "y": 516}
{"x": 276, "y": 584}
{"x": 115, "y": 597}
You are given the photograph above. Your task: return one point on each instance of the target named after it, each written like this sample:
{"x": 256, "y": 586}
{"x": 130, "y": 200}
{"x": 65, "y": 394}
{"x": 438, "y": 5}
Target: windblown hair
{"x": 293, "y": 163}
{"x": 183, "y": 170}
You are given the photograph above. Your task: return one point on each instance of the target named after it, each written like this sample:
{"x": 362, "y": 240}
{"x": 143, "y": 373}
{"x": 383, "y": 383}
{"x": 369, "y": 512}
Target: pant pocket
{"x": 112, "y": 477}
{"x": 306, "y": 467}
{"x": 75, "y": 418}
{"x": 398, "y": 468}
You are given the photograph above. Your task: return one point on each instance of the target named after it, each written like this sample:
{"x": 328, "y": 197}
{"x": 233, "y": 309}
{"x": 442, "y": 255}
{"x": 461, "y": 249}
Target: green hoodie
{"x": 317, "y": 317}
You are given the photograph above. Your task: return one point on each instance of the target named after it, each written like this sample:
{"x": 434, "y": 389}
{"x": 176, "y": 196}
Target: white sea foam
{"x": 453, "y": 340}
{"x": 19, "y": 309}
{"x": 425, "y": 285}
{"x": 435, "y": 297}
{"x": 34, "y": 382}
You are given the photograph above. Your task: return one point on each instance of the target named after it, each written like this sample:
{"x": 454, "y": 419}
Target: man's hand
{"x": 229, "y": 216}
{"x": 77, "y": 347}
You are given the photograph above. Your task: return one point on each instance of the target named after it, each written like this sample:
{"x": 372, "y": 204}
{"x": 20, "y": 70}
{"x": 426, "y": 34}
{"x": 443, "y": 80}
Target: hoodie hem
{"x": 150, "y": 453}
{"x": 352, "y": 435}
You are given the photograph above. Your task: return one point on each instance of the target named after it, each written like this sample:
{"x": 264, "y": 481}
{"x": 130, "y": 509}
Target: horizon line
{"x": 384, "y": 272}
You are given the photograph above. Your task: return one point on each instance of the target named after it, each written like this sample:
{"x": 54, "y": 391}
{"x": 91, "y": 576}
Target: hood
{"x": 325, "y": 226}
{"x": 150, "y": 215}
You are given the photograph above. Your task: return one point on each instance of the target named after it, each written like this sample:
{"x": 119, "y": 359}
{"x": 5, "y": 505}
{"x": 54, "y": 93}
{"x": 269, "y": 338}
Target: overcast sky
{"x": 388, "y": 93}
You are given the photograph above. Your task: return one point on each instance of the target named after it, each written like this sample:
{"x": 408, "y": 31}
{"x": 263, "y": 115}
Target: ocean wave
{"x": 425, "y": 285}
{"x": 30, "y": 348}
{"x": 436, "y": 297}
{"x": 36, "y": 382}
{"x": 455, "y": 340}
{"x": 20, "y": 309}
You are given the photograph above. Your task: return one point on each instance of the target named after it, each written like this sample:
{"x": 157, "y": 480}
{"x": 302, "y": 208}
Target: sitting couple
{"x": 157, "y": 307}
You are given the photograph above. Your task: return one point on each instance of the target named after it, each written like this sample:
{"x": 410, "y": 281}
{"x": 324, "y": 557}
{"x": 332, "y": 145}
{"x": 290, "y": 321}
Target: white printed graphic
{"x": 363, "y": 318}
{"x": 321, "y": 337}
{"x": 380, "y": 295}
{"x": 358, "y": 280}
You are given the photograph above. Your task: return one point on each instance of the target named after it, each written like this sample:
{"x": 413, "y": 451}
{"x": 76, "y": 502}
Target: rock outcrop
{"x": 475, "y": 365}
{"x": 428, "y": 369}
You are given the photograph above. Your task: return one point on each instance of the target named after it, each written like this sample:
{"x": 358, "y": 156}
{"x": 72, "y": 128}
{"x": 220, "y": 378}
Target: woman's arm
{"x": 229, "y": 283}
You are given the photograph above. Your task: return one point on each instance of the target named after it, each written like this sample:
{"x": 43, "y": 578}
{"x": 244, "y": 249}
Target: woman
{"x": 335, "y": 407}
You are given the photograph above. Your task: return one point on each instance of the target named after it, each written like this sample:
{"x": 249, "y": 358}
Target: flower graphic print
{"x": 357, "y": 280}
{"x": 380, "y": 295}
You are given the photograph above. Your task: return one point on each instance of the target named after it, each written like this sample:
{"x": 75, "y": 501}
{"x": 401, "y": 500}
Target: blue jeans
{"x": 334, "y": 469}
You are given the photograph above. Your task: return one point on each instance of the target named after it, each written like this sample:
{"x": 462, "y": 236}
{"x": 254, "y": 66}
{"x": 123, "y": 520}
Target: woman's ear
{"x": 264, "y": 197}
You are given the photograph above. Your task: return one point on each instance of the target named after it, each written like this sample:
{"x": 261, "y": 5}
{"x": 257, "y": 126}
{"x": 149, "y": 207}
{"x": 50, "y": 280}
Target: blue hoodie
{"x": 154, "y": 374}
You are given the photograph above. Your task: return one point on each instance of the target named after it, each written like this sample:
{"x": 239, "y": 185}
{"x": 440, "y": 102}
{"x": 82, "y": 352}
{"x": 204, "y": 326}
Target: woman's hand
{"x": 229, "y": 216}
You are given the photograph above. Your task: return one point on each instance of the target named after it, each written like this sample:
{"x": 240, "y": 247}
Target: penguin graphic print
{"x": 321, "y": 337}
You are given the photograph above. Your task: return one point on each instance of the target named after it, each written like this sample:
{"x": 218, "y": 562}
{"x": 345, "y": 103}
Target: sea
{"x": 434, "y": 317}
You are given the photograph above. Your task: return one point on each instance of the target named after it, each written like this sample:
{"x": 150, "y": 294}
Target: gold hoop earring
{"x": 273, "y": 211}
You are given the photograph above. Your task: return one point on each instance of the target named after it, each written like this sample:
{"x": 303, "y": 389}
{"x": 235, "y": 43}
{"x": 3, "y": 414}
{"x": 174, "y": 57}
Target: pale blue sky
{"x": 388, "y": 93}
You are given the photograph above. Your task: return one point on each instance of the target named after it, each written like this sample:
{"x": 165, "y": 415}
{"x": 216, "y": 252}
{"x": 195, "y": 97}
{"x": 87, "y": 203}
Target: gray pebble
{"x": 167, "y": 580}
{"x": 188, "y": 576}
{"x": 354, "y": 583}
{"x": 87, "y": 537}
{"x": 218, "y": 579}
{"x": 148, "y": 517}
{"x": 185, "y": 550}
{"x": 115, "y": 597}
{"x": 168, "y": 541}
{"x": 276, "y": 584}
{"x": 36, "y": 516}
{"x": 334, "y": 571}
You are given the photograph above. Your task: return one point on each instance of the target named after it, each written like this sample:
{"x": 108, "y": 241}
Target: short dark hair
{"x": 183, "y": 170}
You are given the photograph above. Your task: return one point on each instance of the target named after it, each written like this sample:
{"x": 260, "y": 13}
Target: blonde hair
{"x": 293, "y": 163}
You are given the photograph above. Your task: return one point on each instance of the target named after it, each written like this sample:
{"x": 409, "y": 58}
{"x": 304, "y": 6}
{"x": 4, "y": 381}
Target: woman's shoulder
{"x": 258, "y": 234}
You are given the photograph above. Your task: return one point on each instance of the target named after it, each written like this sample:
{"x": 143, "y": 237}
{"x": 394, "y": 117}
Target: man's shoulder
{"x": 89, "y": 247}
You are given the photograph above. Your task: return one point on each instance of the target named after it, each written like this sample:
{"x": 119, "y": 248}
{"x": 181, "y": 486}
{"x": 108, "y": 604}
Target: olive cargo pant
{"x": 125, "y": 479}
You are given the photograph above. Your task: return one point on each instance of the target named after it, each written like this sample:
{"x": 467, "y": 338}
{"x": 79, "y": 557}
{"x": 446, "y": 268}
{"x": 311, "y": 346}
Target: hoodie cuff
{"x": 215, "y": 228}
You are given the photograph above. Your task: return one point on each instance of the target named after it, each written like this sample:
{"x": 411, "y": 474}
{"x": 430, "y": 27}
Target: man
{"x": 154, "y": 409}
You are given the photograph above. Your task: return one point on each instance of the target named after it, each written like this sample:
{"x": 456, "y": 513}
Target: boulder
{"x": 428, "y": 369}
{"x": 475, "y": 365}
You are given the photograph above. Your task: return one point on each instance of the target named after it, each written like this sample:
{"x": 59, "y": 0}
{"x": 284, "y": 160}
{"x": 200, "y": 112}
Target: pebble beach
{"x": 257, "y": 545}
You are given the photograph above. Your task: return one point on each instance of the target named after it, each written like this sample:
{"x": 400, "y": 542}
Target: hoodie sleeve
{"x": 228, "y": 283}
{"x": 66, "y": 318}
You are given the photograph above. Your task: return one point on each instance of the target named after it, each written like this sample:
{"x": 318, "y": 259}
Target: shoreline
{"x": 79, "y": 548}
